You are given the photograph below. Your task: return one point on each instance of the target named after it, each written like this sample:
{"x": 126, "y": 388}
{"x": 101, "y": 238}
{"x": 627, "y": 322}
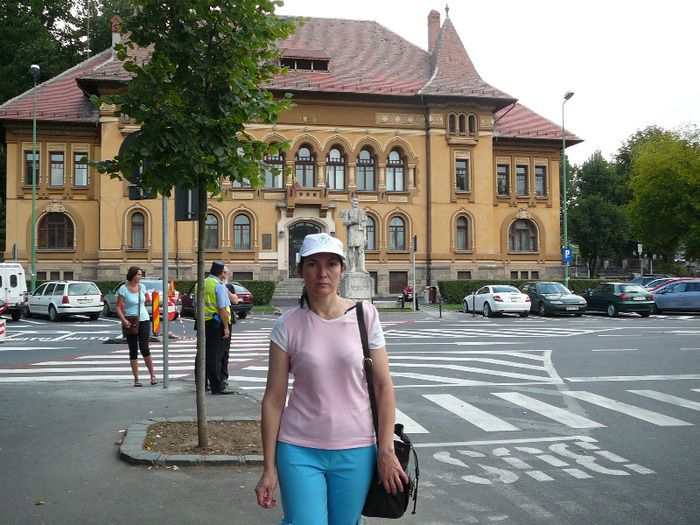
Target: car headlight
{"x": 556, "y": 302}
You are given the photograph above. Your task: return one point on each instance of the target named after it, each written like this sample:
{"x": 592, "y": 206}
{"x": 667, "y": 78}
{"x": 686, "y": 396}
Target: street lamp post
{"x": 567, "y": 96}
{"x": 35, "y": 70}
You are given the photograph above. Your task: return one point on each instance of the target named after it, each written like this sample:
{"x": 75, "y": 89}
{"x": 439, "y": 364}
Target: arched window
{"x": 522, "y": 236}
{"x": 138, "y": 231}
{"x": 272, "y": 179}
{"x": 366, "y": 169}
{"x": 211, "y": 232}
{"x": 462, "y": 233}
{"x": 472, "y": 124}
{"x": 395, "y": 171}
{"x": 397, "y": 234}
{"x": 241, "y": 232}
{"x": 335, "y": 170}
{"x": 462, "y": 124}
{"x": 305, "y": 167}
{"x": 371, "y": 230}
{"x": 55, "y": 232}
{"x": 452, "y": 123}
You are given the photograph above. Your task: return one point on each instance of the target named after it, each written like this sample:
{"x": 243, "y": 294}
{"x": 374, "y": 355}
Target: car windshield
{"x": 553, "y": 288}
{"x": 83, "y": 289}
{"x": 632, "y": 288}
{"x": 152, "y": 285}
{"x": 510, "y": 289}
{"x": 239, "y": 288}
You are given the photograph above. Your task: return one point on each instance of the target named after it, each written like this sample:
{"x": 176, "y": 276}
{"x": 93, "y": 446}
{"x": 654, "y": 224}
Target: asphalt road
{"x": 523, "y": 421}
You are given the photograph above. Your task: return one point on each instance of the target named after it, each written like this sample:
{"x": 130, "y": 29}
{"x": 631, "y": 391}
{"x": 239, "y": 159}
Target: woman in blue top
{"x": 131, "y": 300}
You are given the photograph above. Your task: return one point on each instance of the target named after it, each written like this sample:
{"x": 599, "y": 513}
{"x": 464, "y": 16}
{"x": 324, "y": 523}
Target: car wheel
{"x": 106, "y": 310}
{"x": 524, "y": 314}
{"x": 53, "y": 314}
{"x": 645, "y": 314}
{"x": 578, "y": 314}
{"x": 465, "y": 308}
{"x": 541, "y": 310}
{"x": 16, "y": 315}
{"x": 95, "y": 316}
{"x": 487, "y": 310}
{"x": 612, "y": 310}
{"x": 242, "y": 315}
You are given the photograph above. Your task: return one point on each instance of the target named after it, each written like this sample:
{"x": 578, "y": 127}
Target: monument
{"x": 356, "y": 283}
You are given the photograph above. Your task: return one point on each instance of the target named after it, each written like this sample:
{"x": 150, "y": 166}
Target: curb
{"x": 131, "y": 450}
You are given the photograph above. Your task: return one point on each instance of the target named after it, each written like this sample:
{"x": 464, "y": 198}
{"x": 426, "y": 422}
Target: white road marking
{"x": 666, "y": 377}
{"x": 667, "y": 398}
{"x": 560, "y": 415}
{"x": 470, "y": 413}
{"x": 630, "y": 410}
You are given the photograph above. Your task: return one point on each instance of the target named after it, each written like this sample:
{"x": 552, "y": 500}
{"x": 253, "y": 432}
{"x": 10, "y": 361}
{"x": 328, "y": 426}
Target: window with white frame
{"x": 335, "y": 170}
{"x": 57, "y": 168}
{"x": 138, "y": 231}
{"x": 371, "y": 229}
{"x": 80, "y": 169}
{"x": 241, "y": 232}
{"x": 462, "y": 233}
{"x": 541, "y": 181}
{"x": 211, "y": 232}
{"x": 395, "y": 171}
{"x": 397, "y": 234}
{"x": 522, "y": 236}
{"x": 305, "y": 167}
{"x": 366, "y": 170}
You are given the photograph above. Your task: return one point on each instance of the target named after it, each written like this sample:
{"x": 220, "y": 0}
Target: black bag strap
{"x": 369, "y": 375}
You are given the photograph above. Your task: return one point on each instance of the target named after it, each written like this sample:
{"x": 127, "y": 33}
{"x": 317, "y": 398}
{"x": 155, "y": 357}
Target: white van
{"x": 13, "y": 288}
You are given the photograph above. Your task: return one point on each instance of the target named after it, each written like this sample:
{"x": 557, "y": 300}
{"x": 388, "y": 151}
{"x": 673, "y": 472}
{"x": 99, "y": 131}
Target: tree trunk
{"x": 200, "y": 376}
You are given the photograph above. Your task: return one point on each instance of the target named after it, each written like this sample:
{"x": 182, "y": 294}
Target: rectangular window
{"x": 503, "y": 174}
{"x": 397, "y": 282}
{"x": 67, "y": 276}
{"x": 462, "y": 174}
{"x": 29, "y": 167}
{"x": 80, "y": 170}
{"x": 541, "y": 181}
{"x": 464, "y": 274}
{"x": 55, "y": 276}
{"x": 514, "y": 274}
{"x": 534, "y": 274}
{"x": 524, "y": 275}
{"x": 521, "y": 181}
{"x": 57, "y": 169}
{"x": 242, "y": 276}
{"x": 40, "y": 276}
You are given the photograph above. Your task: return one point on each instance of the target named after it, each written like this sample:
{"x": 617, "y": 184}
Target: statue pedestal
{"x": 357, "y": 286}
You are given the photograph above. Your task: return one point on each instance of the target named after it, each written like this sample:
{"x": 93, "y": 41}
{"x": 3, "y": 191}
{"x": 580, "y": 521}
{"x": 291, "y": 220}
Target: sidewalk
{"x": 59, "y": 456}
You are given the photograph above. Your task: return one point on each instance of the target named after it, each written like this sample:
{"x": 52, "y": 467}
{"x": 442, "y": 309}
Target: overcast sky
{"x": 631, "y": 64}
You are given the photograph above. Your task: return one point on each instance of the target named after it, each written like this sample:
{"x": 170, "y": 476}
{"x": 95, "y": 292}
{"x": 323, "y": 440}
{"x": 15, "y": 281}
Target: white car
{"x": 496, "y": 300}
{"x": 61, "y": 298}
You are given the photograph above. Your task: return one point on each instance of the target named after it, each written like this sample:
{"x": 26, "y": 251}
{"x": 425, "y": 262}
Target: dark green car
{"x": 547, "y": 298}
{"x": 614, "y": 298}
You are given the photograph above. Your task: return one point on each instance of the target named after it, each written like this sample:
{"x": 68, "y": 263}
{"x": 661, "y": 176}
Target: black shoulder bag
{"x": 379, "y": 502}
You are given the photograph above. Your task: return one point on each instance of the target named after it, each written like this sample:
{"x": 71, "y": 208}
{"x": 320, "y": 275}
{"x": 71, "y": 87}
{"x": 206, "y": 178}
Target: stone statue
{"x": 355, "y": 220}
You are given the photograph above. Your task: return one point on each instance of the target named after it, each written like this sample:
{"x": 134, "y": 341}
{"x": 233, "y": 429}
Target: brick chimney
{"x": 433, "y": 28}
{"x": 116, "y": 33}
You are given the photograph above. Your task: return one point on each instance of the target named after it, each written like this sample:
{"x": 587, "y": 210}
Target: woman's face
{"x": 321, "y": 273}
{"x": 137, "y": 276}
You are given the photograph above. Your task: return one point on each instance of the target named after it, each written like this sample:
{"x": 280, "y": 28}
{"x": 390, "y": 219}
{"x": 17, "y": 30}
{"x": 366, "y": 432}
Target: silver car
{"x": 58, "y": 299}
{"x": 679, "y": 296}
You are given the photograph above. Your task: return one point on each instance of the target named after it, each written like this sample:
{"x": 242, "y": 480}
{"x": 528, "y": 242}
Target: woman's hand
{"x": 391, "y": 475}
{"x": 265, "y": 490}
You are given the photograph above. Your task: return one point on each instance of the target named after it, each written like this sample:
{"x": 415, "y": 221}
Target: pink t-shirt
{"x": 328, "y": 407}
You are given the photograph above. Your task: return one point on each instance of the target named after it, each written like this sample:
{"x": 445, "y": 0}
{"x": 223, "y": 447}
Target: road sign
{"x": 567, "y": 254}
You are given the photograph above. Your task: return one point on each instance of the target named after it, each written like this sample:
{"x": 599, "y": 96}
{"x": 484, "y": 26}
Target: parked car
{"x": 547, "y": 298}
{"x": 678, "y": 296}
{"x": 496, "y": 300}
{"x": 13, "y": 289}
{"x": 245, "y": 300}
{"x": 645, "y": 279}
{"x": 614, "y": 298}
{"x": 658, "y": 283}
{"x": 58, "y": 299}
{"x": 150, "y": 286}
{"x": 3, "y": 307}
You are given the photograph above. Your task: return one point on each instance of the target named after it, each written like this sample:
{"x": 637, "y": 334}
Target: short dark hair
{"x": 132, "y": 272}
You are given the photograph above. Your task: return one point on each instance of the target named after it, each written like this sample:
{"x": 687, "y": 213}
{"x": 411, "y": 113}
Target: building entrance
{"x": 297, "y": 232}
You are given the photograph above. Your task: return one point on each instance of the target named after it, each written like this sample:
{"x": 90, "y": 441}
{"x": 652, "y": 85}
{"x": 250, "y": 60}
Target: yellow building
{"x": 428, "y": 148}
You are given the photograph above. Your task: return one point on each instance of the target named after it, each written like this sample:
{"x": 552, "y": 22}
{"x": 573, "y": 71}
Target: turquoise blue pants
{"x": 324, "y": 487}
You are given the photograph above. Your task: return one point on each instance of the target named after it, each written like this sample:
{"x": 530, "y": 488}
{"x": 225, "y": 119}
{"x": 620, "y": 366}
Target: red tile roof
{"x": 58, "y": 99}
{"x": 521, "y": 122}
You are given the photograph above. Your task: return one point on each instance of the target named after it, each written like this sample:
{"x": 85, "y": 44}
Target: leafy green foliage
{"x": 599, "y": 228}
{"x": 453, "y": 291}
{"x": 204, "y": 80}
{"x": 665, "y": 183}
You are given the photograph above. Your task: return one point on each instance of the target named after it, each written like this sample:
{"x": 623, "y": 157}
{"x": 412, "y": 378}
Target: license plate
{"x": 84, "y": 301}
{"x": 639, "y": 299}
{"x": 572, "y": 307}
{"x": 513, "y": 299}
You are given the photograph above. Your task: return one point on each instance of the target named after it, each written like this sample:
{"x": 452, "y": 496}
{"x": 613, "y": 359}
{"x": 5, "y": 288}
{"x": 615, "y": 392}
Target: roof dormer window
{"x": 305, "y": 59}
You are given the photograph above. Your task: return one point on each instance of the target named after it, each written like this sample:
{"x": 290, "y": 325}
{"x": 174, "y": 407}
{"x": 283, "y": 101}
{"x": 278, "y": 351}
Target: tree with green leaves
{"x": 598, "y": 228}
{"x": 203, "y": 82}
{"x": 665, "y": 186}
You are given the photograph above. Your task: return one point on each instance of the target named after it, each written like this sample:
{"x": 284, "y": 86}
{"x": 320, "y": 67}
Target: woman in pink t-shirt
{"x": 321, "y": 447}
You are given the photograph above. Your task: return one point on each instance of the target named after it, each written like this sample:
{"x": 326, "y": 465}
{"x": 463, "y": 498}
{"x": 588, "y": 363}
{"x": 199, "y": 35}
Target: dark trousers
{"x": 215, "y": 344}
{"x": 225, "y": 348}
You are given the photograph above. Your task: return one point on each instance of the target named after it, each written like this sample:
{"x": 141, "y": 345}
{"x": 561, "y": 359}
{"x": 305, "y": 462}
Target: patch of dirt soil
{"x": 228, "y": 438}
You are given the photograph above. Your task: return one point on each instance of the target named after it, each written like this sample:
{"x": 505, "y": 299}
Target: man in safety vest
{"x": 217, "y": 318}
